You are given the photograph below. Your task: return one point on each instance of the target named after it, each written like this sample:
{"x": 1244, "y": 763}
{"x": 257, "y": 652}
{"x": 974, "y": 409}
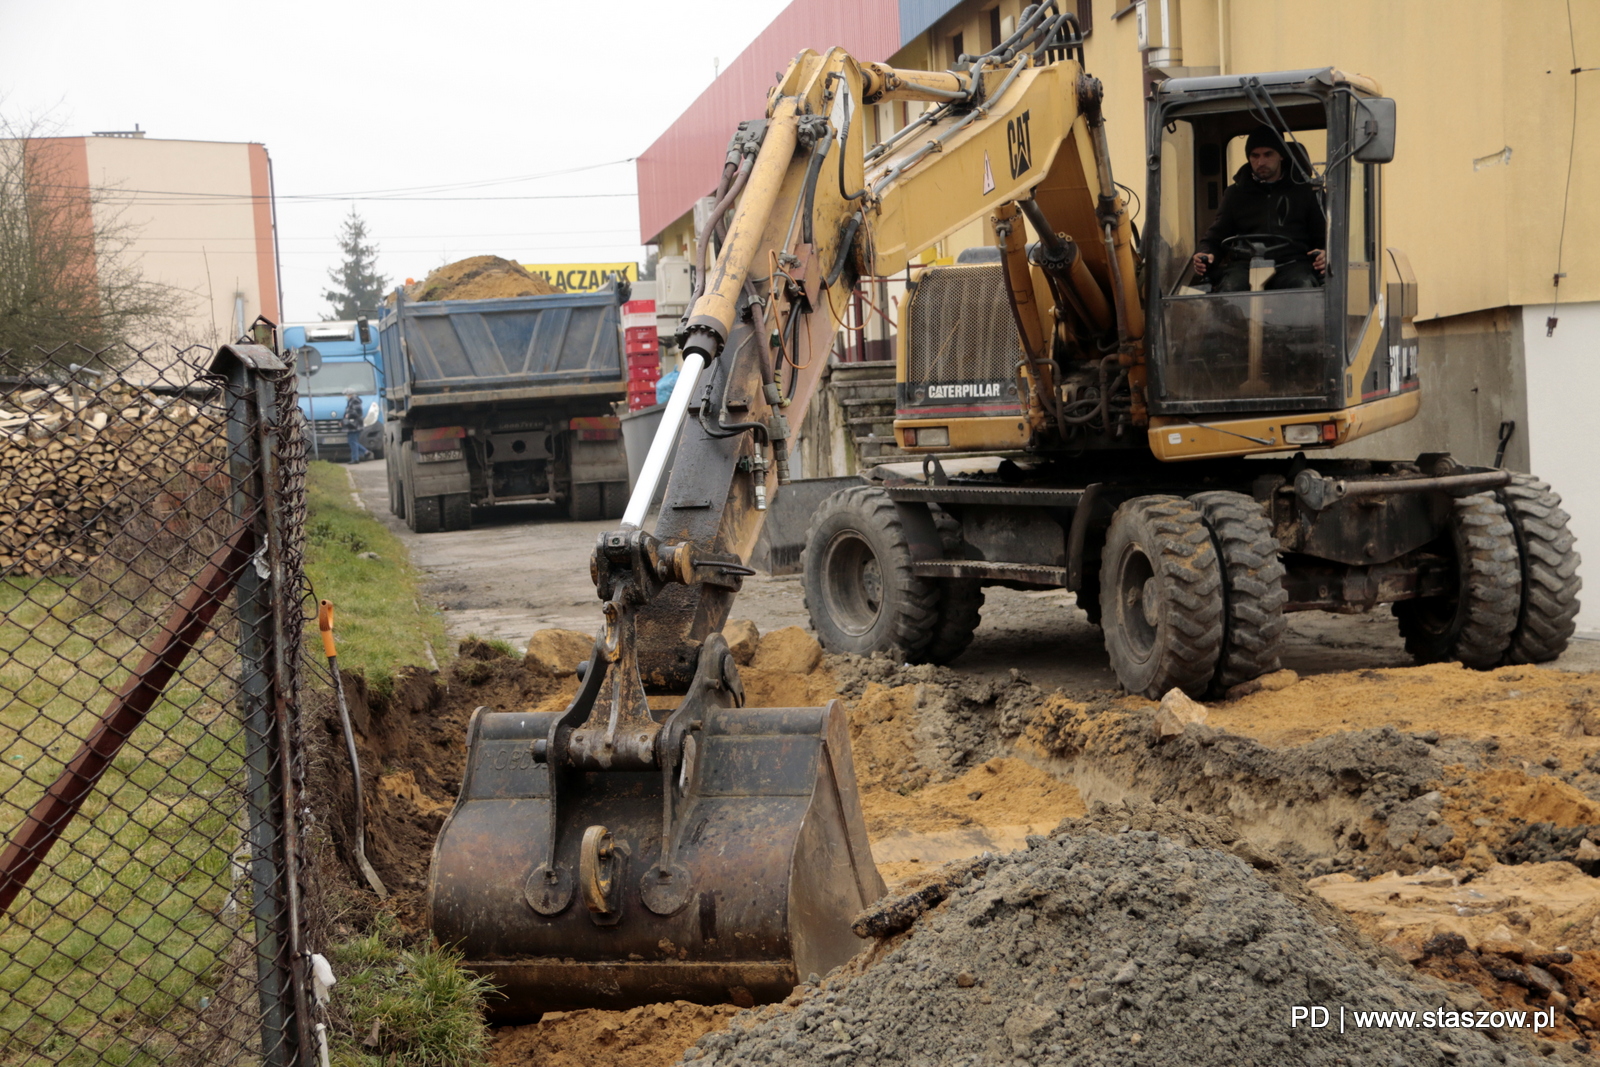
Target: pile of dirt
{"x": 1431, "y": 794}
{"x": 479, "y": 278}
{"x": 651, "y": 1036}
{"x": 1094, "y": 947}
{"x": 411, "y": 741}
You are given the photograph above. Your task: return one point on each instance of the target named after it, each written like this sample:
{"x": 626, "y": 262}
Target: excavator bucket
{"x": 728, "y": 880}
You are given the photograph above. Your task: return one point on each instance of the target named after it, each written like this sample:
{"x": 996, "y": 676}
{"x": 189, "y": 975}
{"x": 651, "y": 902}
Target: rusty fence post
{"x": 268, "y": 602}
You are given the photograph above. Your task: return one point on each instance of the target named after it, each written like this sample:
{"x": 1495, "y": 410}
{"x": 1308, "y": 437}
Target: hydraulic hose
{"x": 718, "y": 209}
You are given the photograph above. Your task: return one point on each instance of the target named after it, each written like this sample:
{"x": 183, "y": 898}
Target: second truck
{"x": 503, "y": 400}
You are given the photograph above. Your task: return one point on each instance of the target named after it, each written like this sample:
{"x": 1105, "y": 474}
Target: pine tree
{"x": 359, "y": 285}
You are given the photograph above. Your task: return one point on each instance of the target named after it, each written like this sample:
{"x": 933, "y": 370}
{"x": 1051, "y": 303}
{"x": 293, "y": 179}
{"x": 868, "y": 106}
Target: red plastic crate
{"x": 645, "y": 359}
{"x": 641, "y": 350}
{"x": 640, "y": 335}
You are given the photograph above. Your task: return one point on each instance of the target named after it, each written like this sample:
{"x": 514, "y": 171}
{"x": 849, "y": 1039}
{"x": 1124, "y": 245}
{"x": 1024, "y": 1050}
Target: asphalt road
{"x": 523, "y": 568}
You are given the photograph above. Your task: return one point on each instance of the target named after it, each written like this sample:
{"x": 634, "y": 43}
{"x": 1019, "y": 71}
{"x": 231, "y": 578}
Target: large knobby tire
{"x": 456, "y": 511}
{"x": 1161, "y": 594}
{"x": 960, "y": 599}
{"x": 1475, "y": 623}
{"x": 1548, "y": 608}
{"x": 859, "y": 589}
{"x": 1252, "y": 587}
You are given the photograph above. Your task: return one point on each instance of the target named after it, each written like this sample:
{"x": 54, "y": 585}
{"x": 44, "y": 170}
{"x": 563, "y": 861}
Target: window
{"x": 958, "y": 48}
{"x": 1085, "y": 16}
{"x": 995, "y": 36}
{"x": 334, "y": 378}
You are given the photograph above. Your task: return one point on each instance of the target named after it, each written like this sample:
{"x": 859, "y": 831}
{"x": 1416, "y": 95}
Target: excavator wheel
{"x": 858, "y": 584}
{"x": 1475, "y": 624}
{"x": 1161, "y": 589}
{"x": 1550, "y": 582}
{"x": 1252, "y": 587}
{"x": 960, "y": 599}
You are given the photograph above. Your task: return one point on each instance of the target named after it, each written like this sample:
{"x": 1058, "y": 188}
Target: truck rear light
{"x": 1330, "y": 431}
{"x": 911, "y": 438}
{"x": 931, "y": 437}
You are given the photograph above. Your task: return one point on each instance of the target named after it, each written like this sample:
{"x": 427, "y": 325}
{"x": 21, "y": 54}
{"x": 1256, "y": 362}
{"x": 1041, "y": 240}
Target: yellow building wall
{"x": 1470, "y": 78}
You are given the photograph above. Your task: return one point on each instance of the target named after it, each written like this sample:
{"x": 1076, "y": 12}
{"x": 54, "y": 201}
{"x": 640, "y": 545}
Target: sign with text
{"x": 583, "y": 277}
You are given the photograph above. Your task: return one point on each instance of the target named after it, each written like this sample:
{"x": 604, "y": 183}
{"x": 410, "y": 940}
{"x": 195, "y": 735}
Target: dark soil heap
{"x": 1112, "y": 948}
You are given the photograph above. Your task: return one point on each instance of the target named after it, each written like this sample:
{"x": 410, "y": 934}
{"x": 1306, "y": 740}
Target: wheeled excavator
{"x": 657, "y": 839}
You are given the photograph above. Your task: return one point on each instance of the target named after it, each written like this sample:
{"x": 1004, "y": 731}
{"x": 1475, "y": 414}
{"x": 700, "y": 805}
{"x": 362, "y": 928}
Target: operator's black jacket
{"x": 1284, "y": 208}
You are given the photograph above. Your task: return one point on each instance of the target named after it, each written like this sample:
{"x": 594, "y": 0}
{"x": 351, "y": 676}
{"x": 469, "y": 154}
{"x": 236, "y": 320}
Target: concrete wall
{"x": 1563, "y": 397}
{"x": 198, "y": 214}
{"x": 1473, "y": 379}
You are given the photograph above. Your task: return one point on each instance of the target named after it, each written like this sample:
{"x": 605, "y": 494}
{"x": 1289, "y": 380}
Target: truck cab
{"x": 331, "y": 357}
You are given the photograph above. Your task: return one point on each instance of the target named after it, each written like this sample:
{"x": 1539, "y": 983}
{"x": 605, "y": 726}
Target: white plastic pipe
{"x": 655, "y": 461}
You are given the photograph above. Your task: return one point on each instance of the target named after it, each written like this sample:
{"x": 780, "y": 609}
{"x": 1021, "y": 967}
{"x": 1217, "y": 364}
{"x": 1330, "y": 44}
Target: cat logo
{"x": 1019, "y": 145}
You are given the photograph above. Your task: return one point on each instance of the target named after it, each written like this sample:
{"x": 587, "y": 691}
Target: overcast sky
{"x": 385, "y": 103}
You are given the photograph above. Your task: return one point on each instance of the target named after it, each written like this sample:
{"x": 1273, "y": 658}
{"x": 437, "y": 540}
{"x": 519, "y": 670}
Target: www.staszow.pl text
{"x": 1342, "y": 1019}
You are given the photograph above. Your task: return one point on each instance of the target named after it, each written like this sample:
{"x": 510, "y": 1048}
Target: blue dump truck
{"x": 509, "y": 399}
{"x": 331, "y": 357}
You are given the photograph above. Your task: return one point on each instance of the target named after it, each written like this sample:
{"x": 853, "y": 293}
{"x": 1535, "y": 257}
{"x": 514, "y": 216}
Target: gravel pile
{"x": 1098, "y": 947}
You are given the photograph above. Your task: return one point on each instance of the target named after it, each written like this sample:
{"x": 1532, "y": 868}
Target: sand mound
{"x": 479, "y": 278}
{"x": 643, "y": 1037}
{"x": 1109, "y": 949}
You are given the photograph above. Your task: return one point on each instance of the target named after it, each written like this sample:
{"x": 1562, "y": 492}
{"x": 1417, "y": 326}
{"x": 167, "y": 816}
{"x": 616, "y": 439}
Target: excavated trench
{"x": 1347, "y": 837}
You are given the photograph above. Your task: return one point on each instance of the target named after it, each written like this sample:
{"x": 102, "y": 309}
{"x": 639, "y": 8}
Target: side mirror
{"x": 1374, "y": 130}
{"x": 364, "y": 330}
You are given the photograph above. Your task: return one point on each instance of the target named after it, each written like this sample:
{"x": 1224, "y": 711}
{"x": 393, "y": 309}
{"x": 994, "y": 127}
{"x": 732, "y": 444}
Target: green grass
{"x": 139, "y": 918}
{"x": 124, "y": 927}
{"x": 425, "y": 1009}
{"x": 376, "y": 622}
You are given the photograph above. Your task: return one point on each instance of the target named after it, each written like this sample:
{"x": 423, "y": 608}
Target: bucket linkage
{"x": 609, "y": 855}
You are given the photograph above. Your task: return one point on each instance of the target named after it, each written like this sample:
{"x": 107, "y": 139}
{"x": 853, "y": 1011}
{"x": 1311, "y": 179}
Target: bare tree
{"x": 68, "y": 283}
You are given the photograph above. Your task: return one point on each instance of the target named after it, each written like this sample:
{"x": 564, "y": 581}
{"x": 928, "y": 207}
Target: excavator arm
{"x": 656, "y": 839}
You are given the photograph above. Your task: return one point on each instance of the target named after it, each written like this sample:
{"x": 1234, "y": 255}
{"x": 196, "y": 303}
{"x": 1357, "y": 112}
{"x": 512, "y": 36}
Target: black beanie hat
{"x": 1264, "y": 137}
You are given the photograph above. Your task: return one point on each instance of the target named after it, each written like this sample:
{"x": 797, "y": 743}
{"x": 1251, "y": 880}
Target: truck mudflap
{"x": 728, "y": 875}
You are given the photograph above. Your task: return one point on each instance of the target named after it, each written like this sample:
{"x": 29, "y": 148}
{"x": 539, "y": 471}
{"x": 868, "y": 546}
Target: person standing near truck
{"x": 351, "y": 423}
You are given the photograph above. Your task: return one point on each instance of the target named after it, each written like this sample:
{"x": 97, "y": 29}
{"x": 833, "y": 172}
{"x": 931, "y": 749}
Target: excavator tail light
{"x": 1305, "y": 433}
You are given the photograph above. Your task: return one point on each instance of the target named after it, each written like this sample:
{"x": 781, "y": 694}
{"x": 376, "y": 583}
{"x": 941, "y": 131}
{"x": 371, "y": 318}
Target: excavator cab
{"x": 1261, "y": 331}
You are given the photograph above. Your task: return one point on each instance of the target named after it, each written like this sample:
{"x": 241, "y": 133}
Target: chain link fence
{"x": 152, "y": 896}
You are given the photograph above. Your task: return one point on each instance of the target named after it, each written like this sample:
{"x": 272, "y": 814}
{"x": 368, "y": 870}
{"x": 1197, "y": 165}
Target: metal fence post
{"x": 263, "y": 706}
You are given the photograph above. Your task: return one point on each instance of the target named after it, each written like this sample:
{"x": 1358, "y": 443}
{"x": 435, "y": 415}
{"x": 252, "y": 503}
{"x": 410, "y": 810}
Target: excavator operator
{"x": 1270, "y": 210}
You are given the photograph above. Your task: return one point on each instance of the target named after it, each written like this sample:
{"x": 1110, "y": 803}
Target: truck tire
{"x": 456, "y": 511}
{"x": 1475, "y": 624}
{"x": 422, "y": 512}
{"x": 1252, "y": 587}
{"x": 859, "y": 589}
{"x": 614, "y": 497}
{"x": 1161, "y": 593}
{"x": 587, "y": 502}
{"x": 1548, "y": 610}
{"x": 397, "y": 496}
{"x": 960, "y": 599}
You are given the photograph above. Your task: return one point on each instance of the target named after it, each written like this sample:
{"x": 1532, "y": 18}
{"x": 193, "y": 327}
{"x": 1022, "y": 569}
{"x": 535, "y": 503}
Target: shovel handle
{"x": 325, "y": 624}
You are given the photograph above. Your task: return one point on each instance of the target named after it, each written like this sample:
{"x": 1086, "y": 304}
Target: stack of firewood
{"x": 80, "y": 466}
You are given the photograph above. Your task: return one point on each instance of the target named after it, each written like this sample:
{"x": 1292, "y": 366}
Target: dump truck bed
{"x": 510, "y": 347}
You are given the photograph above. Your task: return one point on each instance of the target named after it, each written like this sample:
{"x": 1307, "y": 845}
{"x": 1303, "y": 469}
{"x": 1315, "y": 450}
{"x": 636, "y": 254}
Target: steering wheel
{"x": 1264, "y": 245}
